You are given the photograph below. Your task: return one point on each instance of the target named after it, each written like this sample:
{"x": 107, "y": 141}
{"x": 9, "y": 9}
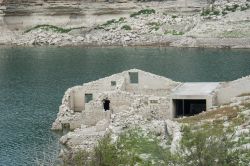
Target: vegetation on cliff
{"x": 52, "y": 28}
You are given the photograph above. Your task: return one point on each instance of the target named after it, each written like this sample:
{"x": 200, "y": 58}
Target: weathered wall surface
{"x": 150, "y": 84}
{"x": 233, "y": 89}
{"x": 149, "y": 99}
{"x": 95, "y": 88}
{"x": 23, "y": 14}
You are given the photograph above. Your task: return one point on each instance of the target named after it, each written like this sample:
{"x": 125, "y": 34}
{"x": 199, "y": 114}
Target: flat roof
{"x": 195, "y": 89}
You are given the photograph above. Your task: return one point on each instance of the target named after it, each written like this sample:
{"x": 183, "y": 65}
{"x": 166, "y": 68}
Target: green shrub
{"x": 109, "y": 22}
{"x": 223, "y": 12}
{"x": 205, "y": 145}
{"x": 53, "y": 28}
{"x": 105, "y": 153}
{"x": 143, "y": 11}
{"x": 209, "y": 12}
{"x": 174, "y": 16}
{"x": 154, "y": 25}
{"x": 247, "y": 6}
{"x": 80, "y": 159}
{"x": 216, "y": 12}
{"x": 232, "y": 8}
{"x": 122, "y": 19}
{"x": 202, "y": 147}
{"x": 205, "y": 12}
{"x": 126, "y": 27}
{"x": 175, "y": 32}
{"x": 125, "y": 151}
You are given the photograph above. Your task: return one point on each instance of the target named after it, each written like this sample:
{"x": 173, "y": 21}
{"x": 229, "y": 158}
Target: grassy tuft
{"x": 143, "y": 11}
{"x": 174, "y": 32}
{"x": 154, "y": 25}
{"x": 126, "y": 27}
{"x": 230, "y": 112}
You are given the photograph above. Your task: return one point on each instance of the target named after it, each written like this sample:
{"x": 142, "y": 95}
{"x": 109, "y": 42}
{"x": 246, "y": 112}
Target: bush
{"x": 174, "y": 16}
{"x": 50, "y": 27}
{"x": 216, "y": 12}
{"x": 109, "y": 22}
{"x": 205, "y": 11}
{"x": 80, "y": 158}
{"x": 245, "y": 7}
{"x": 122, "y": 19}
{"x": 209, "y": 12}
{"x": 144, "y": 11}
{"x": 154, "y": 25}
{"x": 125, "y": 151}
{"x": 210, "y": 146}
{"x": 205, "y": 146}
{"x": 175, "y": 32}
{"x": 126, "y": 27}
{"x": 105, "y": 153}
{"x": 232, "y": 8}
{"x": 223, "y": 12}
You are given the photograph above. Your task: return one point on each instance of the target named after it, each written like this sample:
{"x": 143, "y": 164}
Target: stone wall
{"x": 95, "y": 88}
{"x": 150, "y": 84}
{"x": 233, "y": 89}
{"x": 149, "y": 98}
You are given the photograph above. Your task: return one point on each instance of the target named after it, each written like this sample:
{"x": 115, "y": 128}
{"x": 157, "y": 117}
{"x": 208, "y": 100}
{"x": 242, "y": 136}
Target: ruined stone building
{"x": 144, "y": 94}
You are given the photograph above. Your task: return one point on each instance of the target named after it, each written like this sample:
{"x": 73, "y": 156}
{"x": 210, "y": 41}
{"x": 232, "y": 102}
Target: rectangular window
{"x": 153, "y": 101}
{"x": 113, "y": 83}
{"x": 88, "y": 97}
{"x": 133, "y": 76}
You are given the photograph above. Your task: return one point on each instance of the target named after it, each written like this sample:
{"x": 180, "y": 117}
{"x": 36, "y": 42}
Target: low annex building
{"x": 193, "y": 97}
{"x": 144, "y": 94}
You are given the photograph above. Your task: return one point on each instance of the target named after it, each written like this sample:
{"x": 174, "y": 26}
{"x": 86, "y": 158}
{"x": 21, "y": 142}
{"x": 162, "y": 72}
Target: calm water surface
{"x": 33, "y": 81}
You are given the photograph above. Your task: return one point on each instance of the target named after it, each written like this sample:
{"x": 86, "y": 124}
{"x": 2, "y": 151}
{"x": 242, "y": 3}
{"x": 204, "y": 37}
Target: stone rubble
{"x": 161, "y": 29}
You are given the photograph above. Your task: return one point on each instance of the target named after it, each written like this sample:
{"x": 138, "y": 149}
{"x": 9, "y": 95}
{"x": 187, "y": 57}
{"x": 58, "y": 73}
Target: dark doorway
{"x": 186, "y": 107}
{"x": 106, "y": 103}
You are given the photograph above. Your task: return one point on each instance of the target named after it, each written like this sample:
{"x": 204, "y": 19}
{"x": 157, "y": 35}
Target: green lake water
{"x": 33, "y": 81}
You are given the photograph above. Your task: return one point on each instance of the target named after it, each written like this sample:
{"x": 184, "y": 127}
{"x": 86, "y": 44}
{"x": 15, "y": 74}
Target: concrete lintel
{"x": 187, "y": 97}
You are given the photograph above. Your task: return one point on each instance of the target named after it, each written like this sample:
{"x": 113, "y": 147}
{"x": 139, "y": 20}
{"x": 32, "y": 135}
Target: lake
{"x": 33, "y": 82}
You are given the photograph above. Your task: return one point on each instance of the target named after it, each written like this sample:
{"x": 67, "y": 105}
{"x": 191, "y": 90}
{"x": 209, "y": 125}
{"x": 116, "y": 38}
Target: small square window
{"x": 113, "y": 83}
{"x": 133, "y": 76}
{"x": 88, "y": 97}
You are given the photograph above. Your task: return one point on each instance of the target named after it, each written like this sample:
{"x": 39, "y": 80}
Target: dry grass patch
{"x": 229, "y": 112}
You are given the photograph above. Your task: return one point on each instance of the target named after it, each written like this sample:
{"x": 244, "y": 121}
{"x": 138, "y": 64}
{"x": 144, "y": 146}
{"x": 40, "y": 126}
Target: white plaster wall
{"x": 149, "y": 84}
{"x": 96, "y": 88}
{"x": 233, "y": 89}
{"x": 209, "y": 102}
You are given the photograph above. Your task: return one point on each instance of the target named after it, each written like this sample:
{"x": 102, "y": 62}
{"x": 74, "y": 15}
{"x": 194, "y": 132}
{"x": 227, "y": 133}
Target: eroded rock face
{"x": 166, "y": 27}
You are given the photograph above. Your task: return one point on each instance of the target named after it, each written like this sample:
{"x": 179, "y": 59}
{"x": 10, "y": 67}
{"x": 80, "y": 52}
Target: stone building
{"x": 132, "y": 89}
{"x": 151, "y": 96}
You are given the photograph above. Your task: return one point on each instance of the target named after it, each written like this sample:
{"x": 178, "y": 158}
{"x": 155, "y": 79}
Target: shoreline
{"x": 133, "y": 45}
